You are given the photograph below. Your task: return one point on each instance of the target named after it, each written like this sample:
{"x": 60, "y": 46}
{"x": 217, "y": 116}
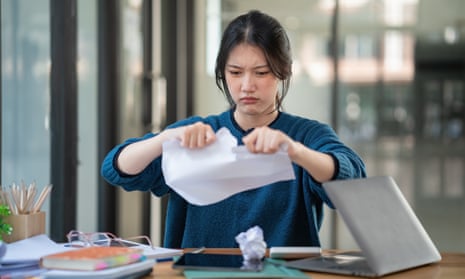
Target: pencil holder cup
{"x": 25, "y": 225}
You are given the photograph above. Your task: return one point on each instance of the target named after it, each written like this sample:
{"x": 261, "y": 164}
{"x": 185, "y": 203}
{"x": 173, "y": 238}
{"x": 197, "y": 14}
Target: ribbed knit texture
{"x": 289, "y": 212}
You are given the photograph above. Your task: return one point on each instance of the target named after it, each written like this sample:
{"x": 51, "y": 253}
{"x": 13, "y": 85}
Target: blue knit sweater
{"x": 289, "y": 212}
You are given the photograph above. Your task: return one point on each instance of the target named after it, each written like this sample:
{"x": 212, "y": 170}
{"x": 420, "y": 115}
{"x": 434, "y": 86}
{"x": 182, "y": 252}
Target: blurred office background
{"x": 80, "y": 76}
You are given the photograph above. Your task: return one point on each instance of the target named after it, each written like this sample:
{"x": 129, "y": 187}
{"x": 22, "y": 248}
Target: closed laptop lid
{"x": 382, "y": 223}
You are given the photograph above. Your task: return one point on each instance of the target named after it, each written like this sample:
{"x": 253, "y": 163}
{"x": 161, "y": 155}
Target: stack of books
{"x": 97, "y": 262}
{"x": 39, "y": 256}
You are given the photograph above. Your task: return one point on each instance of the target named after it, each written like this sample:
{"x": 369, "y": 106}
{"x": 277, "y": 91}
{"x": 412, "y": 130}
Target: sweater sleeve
{"x": 347, "y": 162}
{"x": 151, "y": 178}
{"x": 322, "y": 138}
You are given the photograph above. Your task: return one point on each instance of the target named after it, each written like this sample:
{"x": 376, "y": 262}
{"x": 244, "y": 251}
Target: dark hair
{"x": 261, "y": 30}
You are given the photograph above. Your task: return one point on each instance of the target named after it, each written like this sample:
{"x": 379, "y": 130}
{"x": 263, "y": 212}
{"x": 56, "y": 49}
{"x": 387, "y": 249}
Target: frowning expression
{"x": 250, "y": 81}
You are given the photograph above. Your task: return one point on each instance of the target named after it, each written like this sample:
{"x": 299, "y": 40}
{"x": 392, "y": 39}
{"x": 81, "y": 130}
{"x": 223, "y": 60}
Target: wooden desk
{"x": 452, "y": 266}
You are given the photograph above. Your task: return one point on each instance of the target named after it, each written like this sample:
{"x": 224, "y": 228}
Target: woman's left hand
{"x": 319, "y": 165}
{"x": 268, "y": 141}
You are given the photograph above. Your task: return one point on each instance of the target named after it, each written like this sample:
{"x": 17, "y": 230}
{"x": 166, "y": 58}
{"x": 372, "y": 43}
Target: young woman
{"x": 253, "y": 70}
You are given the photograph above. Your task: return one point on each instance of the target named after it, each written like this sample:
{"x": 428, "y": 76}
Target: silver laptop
{"x": 390, "y": 236}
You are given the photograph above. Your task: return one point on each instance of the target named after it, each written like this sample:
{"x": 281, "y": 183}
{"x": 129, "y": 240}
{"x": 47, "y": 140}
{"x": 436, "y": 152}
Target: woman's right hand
{"x": 135, "y": 157}
{"x": 197, "y": 135}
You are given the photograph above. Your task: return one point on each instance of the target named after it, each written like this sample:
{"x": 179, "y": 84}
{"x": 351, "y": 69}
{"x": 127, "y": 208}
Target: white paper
{"x": 31, "y": 249}
{"x": 220, "y": 170}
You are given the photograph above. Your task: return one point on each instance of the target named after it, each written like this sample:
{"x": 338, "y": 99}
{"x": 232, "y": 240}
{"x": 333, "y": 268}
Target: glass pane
{"x": 25, "y": 92}
{"x": 87, "y": 116}
{"x": 131, "y": 104}
{"x": 400, "y": 77}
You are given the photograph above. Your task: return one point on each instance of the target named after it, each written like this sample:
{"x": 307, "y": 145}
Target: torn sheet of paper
{"x": 220, "y": 170}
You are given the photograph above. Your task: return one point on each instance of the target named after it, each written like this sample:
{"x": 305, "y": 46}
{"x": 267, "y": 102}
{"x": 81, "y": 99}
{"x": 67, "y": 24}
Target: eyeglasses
{"x": 83, "y": 239}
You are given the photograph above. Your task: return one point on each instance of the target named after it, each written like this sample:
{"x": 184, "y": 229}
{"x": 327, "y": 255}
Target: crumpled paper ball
{"x": 251, "y": 243}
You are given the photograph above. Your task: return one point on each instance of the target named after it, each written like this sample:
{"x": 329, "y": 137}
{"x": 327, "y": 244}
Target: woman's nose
{"x": 248, "y": 83}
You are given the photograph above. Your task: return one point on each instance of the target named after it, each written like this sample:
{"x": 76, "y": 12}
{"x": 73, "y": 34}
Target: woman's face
{"x": 252, "y": 85}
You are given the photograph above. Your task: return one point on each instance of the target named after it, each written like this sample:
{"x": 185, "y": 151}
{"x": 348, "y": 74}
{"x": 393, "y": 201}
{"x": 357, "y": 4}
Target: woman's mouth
{"x": 249, "y": 100}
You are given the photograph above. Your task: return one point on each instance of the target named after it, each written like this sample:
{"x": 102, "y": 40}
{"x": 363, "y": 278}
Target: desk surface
{"x": 452, "y": 266}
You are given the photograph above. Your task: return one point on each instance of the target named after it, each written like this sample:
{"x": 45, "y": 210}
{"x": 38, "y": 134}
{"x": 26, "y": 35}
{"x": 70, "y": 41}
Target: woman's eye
{"x": 263, "y": 73}
{"x": 234, "y": 73}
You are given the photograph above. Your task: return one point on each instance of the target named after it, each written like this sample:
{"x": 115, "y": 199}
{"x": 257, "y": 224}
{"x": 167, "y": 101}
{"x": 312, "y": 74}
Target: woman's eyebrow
{"x": 233, "y": 66}
{"x": 240, "y": 67}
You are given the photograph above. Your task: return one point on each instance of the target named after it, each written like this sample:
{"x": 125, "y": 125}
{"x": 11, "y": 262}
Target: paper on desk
{"x": 220, "y": 170}
{"x": 30, "y": 249}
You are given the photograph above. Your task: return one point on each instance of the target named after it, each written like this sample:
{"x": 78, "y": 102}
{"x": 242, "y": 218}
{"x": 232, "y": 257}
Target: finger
{"x": 201, "y": 137}
{"x": 184, "y": 137}
{"x": 205, "y": 136}
{"x": 273, "y": 144}
{"x": 198, "y": 135}
{"x": 249, "y": 142}
{"x": 267, "y": 140}
{"x": 255, "y": 141}
{"x": 210, "y": 136}
{"x": 197, "y": 139}
{"x": 189, "y": 136}
{"x": 260, "y": 142}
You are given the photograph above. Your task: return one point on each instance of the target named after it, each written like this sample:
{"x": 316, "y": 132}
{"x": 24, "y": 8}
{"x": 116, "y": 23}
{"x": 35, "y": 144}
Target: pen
{"x": 198, "y": 250}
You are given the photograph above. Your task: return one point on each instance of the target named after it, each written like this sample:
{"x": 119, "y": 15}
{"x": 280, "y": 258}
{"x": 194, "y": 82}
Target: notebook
{"x": 92, "y": 258}
{"x": 130, "y": 271}
{"x": 390, "y": 236}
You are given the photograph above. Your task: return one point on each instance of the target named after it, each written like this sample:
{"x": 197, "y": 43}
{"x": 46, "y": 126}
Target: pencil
{"x": 43, "y": 195}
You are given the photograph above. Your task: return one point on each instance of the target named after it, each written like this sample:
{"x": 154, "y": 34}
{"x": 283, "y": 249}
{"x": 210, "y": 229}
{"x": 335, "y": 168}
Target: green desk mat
{"x": 271, "y": 269}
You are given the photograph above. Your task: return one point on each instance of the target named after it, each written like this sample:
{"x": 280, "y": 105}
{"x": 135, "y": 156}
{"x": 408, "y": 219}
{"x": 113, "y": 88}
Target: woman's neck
{"x": 247, "y": 122}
